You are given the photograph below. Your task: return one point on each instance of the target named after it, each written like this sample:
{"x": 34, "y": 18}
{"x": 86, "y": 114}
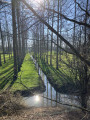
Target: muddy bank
{"x": 32, "y": 91}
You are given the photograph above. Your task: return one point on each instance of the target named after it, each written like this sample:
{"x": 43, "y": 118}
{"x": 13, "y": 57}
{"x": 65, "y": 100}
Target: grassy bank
{"x": 28, "y": 77}
{"x": 63, "y": 79}
{"x": 27, "y": 83}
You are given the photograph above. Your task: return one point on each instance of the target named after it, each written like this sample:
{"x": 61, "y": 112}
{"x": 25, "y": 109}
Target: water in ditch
{"x": 40, "y": 100}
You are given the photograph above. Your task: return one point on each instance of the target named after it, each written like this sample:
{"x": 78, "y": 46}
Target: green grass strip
{"x": 28, "y": 76}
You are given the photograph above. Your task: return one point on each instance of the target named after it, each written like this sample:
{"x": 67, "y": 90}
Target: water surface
{"x": 39, "y": 100}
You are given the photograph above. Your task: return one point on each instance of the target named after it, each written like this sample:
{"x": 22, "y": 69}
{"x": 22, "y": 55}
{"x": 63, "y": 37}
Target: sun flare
{"x": 37, "y": 98}
{"x": 37, "y": 2}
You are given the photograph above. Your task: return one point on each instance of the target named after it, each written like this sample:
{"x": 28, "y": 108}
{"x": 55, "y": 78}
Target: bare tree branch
{"x": 55, "y": 32}
{"x": 82, "y": 8}
{"x": 72, "y": 20}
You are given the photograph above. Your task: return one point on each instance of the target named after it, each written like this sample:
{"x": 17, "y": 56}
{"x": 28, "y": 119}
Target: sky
{"x": 68, "y": 10}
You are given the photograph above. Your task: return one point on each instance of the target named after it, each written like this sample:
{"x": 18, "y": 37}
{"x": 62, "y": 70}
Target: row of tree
{"x": 13, "y": 34}
{"x": 73, "y": 24}
{"x": 50, "y": 25}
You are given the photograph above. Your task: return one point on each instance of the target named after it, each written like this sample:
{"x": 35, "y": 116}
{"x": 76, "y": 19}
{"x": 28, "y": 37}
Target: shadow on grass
{"x": 12, "y": 82}
{"x": 6, "y": 80}
{"x": 59, "y": 80}
{"x": 6, "y": 74}
{"x": 6, "y": 70}
{"x": 7, "y": 63}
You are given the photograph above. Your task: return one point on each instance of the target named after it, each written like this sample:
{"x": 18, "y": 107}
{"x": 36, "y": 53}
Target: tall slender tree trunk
{"x": 84, "y": 88}
{"x": 74, "y": 34}
{"x": 60, "y": 27}
{"x": 14, "y": 39}
{"x": 57, "y": 38}
{"x": 8, "y": 38}
{"x": 47, "y": 31}
{"x": 3, "y": 49}
{"x": 19, "y": 38}
{"x": 43, "y": 34}
{"x": 23, "y": 40}
{"x": 0, "y": 60}
{"x": 40, "y": 42}
{"x": 85, "y": 78}
{"x": 52, "y": 36}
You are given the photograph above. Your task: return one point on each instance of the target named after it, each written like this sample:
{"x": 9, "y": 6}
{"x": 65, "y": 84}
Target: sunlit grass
{"x": 64, "y": 75}
{"x": 28, "y": 76}
{"x": 6, "y": 57}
